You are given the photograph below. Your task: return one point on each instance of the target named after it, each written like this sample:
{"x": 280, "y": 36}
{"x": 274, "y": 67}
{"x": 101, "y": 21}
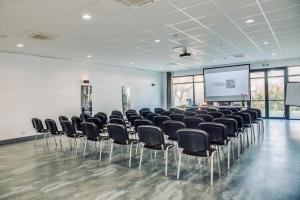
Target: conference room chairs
{"x": 150, "y": 116}
{"x": 254, "y": 120}
{"x": 201, "y": 112}
{"x": 152, "y": 138}
{"x": 145, "y": 113}
{"x": 177, "y": 116}
{"x": 193, "y": 142}
{"x": 167, "y": 113}
{"x": 102, "y": 118}
{"x": 190, "y": 110}
{"x": 97, "y": 122}
{"x": 212, "y": 110}
{"x": 170, "y": 128}
{"x": 216, "y": 114}
{"x": 76, "y": 121}
{"x": 176, "y": 110}
{"x": 225, "y": 112}
{"x": 62, "y": 118}
{"x": 84, "y": 116}
{"x": 190, "y": 114}
{"x": 218, "y": 136}
{"x": 143, "y": 110}
{"x": 206, "y": 117}
{"x": 232, "y": 134}
{"x": 159, "y": 110}
{"x": 71, "y": 133}
{"x": 259, "y": 118}
{"x": 117, "y": 121}
{"x": 140, "y": 122}
{"x": 92, "y": 133}
{"x": 117, "y": 112}
{"x": 247, "y": 125}
{"x": 116, "y": 116}
{"x": 105, "y": 118}
{"x": 39, "y": 129}
{"x": 158, "y": 120}
{"x": 53, "y": 130}
{"x": 118, "y": 135}
{"x": 130, "y": 111}
{"x": 192, "y": 122}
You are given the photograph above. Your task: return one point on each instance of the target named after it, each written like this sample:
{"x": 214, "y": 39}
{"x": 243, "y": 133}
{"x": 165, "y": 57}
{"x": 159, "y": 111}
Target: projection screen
{"x": 230, "y": 83}
{"x": 292, "y": 94}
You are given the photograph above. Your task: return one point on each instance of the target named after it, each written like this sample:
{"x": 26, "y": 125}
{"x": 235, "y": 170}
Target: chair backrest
{"x": 212, "y": 110}
{"x": 97, "y": 122}
{"x": 231, "y": 125}
{"x": 116, "y": 112}
{"x": 118, "y": 133}
{"x": 129, "y": 114}
{"x": 192, "y": 122}
{"x": 158, "y": 110}
{"x": 206, "y": 117}
{"x": 90, "y": 130}
{"x": 253, "y": 115}
{"x": 63, "y": 118}
{"x": 190, "y": 109}
{"x": 158, "y": 120}
{"x": 144, "y": 109}
{"x": 167, "y": 113}
{"x": 131, "y": 111}
{"x": 145, "y": 113}
{"x": 238, "y": 118}
{"x": 216, "y": 114}
{"x": 177, "y": 116}
{"x": 150, "y": 116}
{"x": 76, "y": 121}
{"x": 151, "y": 135}
{"x": 201, "y": 112}
{"x": 233, "y": 110}
{"x": 116, "y": 116}
{"x": 68, "y": 128}
{"x": 140, "y": 122}
{"x": 216, "y": 131}
{"x": 104, "y": 116}
{"x": 101, "y": 117}
{"x": 226, "y": 112}
{"x": 258, "y": 111}
{"x": 51, "y": 126}
{"x": 190, "y": 114}
{"x": 84, "y": 117}
{"x": 37, "y": 125}
{"x": 246, "y": 117}
{"x": 132, "y": 118}
{"x": 193, "y": 140}
{"x": 117, "y": 121}
{"x": 171, "y": 126}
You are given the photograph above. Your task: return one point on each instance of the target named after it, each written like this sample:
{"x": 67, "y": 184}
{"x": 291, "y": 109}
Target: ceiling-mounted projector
{"x": 185, "y": 53}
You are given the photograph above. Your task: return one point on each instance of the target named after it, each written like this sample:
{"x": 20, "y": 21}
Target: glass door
{"x": 276, "y": 93}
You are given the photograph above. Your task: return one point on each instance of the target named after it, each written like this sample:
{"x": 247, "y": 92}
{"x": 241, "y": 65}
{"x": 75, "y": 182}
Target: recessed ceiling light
{"x": 132, "y": 62}
{"x": 20, "y": 45}
{"x": 274, "y": 54}
{"x": 266, "y": 42}
{"x": 215, "y": 61}
{"x": 89, "y": 56}
{"x": 86, "y": 16}
{"x": 249, "y": 21}
{"x": 157, "y": 41}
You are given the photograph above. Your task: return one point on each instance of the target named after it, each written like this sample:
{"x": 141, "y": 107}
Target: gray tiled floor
{"x": 269, "y": 169}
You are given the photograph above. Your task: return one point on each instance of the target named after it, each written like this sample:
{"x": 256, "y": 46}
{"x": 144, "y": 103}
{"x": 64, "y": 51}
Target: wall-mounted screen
{"x": 230, "y": 83}
{"x": 293, "y": 94}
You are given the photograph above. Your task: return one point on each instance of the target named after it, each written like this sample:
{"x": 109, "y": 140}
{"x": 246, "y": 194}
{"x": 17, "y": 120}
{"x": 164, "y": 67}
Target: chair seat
{"x": 100, "y": 138}
{"x": 158, "y": 147}
{"x": 130, "y": 141}
{"x": 172, "y": 138}
{"x": 199, "y": 153}
{"x": 77, "y": 135}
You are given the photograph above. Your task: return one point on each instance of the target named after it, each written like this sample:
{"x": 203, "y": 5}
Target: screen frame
{"x": 228, "y": 66}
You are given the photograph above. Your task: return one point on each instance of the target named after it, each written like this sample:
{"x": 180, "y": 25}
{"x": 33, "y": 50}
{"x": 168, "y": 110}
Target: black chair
{"x": 193, "y": 142}
{"x": 62, "y": 118}
{"x": 192, "y": 122}
{"x": 71, "y": 133}
{"x": 158, "y": 120}
{"x": 201, "y": 112}
{"x": 167, "y": 113}
{"x": 226, "y": 112}
{"x": 130, "y": 111}
{"x": 218, "y": 136}
{"x": 76, "y": 121}
{"x": 97, "y": 122}
{"x": 53, "y": 130}
{"x": 259, "y": 118}
{"x": 145, "y": 113}
{"x": 92, "y": 133}
{"x": 177, "y": 116}
{"x": 132, "y": 118}
{"x": 176, "y": 110}
{"x": 102, "y": 118}
{"x": 159, "y": 110}
{"x": 116, "y": 116}
{"x": 128, "y": 115}
{"x": 140, "y": 122}
{"x": 117, "y": 121}
{"x": 247, "y": 125}
{"x": 190, "y": 114}
{"x": 39, "y": 129}
{"x": 212, "y": 110}
{"x": 152, "y": 138}
{"x": 254, "y": 120}
{"x": 216, "y": 114}
{"x": 116, "y": 112}
{"x": 150, "y": 116}
{"x": 144, "y": 109}
{"x": 190, "y": 109}
{"x": 206, "y": 118}
{"x": 232, "y": 132}
{"x": 170, "y": 128}
{"x": 84, "y": 117}
{"x": 119, "y": 135}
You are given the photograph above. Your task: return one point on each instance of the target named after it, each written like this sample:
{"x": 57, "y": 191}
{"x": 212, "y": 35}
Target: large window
{"x": 188, "y": 90}
{"x": 294, "y": 76}
{"x": 258, "y": 91}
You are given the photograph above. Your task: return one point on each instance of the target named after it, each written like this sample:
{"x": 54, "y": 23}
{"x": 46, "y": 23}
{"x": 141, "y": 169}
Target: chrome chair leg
{"x": 179, "y": 162}
{"x": 141, "y": 157}
{"x": 212, "y": 169}
{"x": 111, "y": 150}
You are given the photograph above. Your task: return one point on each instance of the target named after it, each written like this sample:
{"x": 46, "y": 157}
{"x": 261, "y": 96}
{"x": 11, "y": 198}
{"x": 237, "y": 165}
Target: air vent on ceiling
{"x": 40, "y": 36}
{"x": 238, "y": 55}
{"x": 134, "y": 3}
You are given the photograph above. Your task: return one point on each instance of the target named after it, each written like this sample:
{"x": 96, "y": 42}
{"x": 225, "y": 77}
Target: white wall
{"x": 46, "y": 88}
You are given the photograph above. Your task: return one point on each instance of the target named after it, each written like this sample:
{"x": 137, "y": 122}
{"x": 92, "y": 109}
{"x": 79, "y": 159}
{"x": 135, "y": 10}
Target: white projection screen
{"x": 292, "y": 94}
{"x": 230, "y": 83}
